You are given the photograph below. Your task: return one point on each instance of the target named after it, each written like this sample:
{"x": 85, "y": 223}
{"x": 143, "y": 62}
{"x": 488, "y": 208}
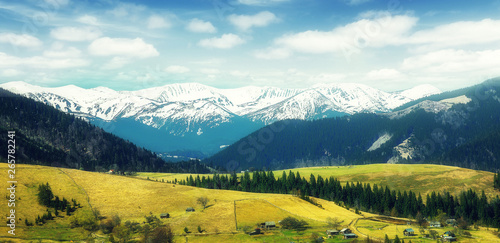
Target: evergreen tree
{"x": 397, "y": 240}
{"x": 496, "y": 180}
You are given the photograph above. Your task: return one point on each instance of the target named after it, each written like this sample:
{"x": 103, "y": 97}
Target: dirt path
{"x": 81, "y": 188}
{"x": 352, "y": 225}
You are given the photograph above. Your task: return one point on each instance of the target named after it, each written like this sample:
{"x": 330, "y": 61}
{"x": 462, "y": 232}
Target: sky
{"x": 130, "y": 45}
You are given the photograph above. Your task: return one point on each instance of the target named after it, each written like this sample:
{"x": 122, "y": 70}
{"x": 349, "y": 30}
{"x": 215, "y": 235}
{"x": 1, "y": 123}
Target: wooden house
{"x": 164, "y": 216}
{"x": 345, "y": 231}
{"x": 409, "y": 232}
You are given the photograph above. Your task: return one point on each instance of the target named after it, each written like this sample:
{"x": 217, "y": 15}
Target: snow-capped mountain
{"x": 194, "y": 110}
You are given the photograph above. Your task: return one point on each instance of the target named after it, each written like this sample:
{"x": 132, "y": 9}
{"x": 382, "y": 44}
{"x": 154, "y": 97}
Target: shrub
{"x": 161, "y": 234}
{"x": 107, "y": 226}
{"x": 84, "y": 219}
{"x": 121, "y": 232}
{"x": 293, "y": 223}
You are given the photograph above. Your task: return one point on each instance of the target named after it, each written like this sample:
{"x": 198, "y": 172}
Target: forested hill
{"x": 460, "y": 128}
{"x": 46, "y": 136}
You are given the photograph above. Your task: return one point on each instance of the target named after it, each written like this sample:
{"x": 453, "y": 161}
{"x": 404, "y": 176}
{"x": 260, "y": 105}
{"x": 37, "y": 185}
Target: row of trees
{"x": 469, "y": 205}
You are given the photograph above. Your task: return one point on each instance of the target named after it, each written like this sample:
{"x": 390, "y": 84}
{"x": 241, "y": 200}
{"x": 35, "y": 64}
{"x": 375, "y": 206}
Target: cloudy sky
{"x": 130, "y": 45}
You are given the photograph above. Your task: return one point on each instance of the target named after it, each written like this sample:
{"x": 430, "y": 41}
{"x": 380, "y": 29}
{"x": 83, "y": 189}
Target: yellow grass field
{"x": 132, "y": 199}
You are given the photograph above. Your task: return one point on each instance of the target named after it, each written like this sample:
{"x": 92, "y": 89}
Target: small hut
{"x": 409, "y": 232}
{"x": 190, "y": 209}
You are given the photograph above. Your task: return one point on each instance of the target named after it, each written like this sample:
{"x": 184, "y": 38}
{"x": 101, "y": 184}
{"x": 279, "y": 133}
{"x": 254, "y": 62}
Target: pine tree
{"x": 496, "y": 181}
{"x": 397, "y": 240}
{"x": 386, "y": 240}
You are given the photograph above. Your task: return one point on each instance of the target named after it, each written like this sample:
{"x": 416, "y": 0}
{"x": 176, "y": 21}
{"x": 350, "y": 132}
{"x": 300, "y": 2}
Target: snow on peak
{"x": 194, "y": 103}
{"x": 19, "y": 87}
{"x": 420, "y": 91}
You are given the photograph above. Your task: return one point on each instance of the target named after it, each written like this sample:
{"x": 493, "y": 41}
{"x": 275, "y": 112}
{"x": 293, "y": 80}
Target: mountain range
{"x": 459, "y": 128}
{"x": 196, "y": 120}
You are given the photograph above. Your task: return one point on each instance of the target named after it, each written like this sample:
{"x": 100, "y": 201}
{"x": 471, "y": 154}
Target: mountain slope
{"x": 46, "y": 136}
{"x": 459, "y": 129}
{"x": 197, "y": 114}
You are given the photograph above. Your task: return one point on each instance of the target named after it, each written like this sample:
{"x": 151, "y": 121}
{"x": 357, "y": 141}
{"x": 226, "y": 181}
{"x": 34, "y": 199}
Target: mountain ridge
{"x": 458, "y": 128}
{"x": 193, "y": 109}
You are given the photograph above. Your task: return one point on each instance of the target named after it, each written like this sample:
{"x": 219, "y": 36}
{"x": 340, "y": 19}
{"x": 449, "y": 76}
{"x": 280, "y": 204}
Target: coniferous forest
{"x": 469, "y": 206}
{"x": 46, "y": 136}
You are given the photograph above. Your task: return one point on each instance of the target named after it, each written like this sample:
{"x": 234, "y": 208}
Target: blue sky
{"x": 130, "y": 45}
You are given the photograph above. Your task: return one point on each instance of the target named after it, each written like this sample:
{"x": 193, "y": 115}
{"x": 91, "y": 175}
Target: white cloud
{"x": 176, "y": 69}
{"x": 245, "y": 22}
{"x": 200, "y": 26}
{"x": 11, "y": 73}
{"x": 69, "y": 52}
{"x": 76, "y": 33}
{"x": 459, "y": 33}
{"x": 116, "y": 62}
{"x": 226, "y": 41}
{"x": 39, "y": 62}
{"x": 273, "y": 53}
{"x": 126, "y": 9}
{"x": 260, "y": 2}
{"x": 379, "y": 32}
{"x": 106, "y": 46}
{"x": 452, "y": 61}
{"x": 158, "y": 22}
{"x": 23, "y": 40}
{"x": 384, "y": 74}
{"x": 88, "y": 19}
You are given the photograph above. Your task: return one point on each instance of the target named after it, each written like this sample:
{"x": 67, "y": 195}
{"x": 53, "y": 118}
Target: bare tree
{"x": 203, "y": 201}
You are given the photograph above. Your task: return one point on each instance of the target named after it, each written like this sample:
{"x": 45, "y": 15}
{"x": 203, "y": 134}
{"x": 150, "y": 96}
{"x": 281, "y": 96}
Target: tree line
{"x": 470, "y": 206}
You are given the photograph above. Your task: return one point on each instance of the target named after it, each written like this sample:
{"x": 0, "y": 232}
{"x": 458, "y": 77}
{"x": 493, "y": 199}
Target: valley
{"x": 229, "y": 213}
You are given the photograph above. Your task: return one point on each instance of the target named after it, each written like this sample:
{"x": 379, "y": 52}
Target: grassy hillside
{"x": 228, "y": 212}
{"x": 422, "y": 178}
{"x": 133, "y": 198}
